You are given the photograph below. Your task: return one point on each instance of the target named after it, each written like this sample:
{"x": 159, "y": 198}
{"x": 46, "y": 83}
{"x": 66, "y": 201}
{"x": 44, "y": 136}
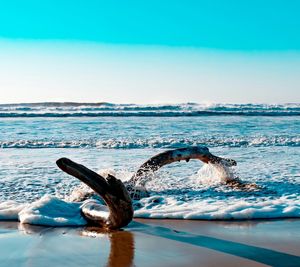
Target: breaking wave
{"x": 71, "y": 109}
{"x": 262, "y": 141}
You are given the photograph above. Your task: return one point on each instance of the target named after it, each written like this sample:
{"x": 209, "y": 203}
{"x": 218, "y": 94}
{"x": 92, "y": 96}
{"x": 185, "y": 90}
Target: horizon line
{"x": 78, "y": 103}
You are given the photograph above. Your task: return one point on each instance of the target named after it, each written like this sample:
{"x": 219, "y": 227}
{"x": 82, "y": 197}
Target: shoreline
{"x": 152, "y": 242}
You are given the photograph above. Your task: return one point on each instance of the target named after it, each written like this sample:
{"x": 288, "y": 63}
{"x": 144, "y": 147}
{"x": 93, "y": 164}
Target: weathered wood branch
{"x": 170, "y": 156}
{"x": 111, "y": 189}
{"x": 241, "y": 185}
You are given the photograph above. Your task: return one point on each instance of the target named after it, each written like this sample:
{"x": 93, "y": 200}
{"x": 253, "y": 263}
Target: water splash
{"x": 212, "y": 174}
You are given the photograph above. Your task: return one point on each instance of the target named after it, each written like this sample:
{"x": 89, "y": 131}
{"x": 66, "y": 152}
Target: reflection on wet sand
{"x": 121, "y": 251}
{"x": 165, "y": 242}
{"x": 121, "y": 246}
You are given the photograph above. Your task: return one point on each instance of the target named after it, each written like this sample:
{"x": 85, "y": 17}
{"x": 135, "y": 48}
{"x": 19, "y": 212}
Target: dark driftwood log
{"x": 110, "y": 189}
{"x": 194, "y": 152}
{"x": 170, "y": 156}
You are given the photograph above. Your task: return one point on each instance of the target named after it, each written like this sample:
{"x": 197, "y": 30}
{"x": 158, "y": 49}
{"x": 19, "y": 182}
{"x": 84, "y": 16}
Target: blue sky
{"x": 120, "y": 51}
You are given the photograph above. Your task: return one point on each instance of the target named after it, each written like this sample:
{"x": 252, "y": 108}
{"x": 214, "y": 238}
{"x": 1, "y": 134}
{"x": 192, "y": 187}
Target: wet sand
{"x": 154, "y": 243}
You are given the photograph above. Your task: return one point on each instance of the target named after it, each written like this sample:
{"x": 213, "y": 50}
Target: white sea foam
{"x": 210, "y": 209}
{"x": 9, "y": 210}
{"x": 48, "y": 210}
{"x": 129, "y": 143}
{"x": 56, "y": 212}
{"x": 203, "y": 200}
{"x": 52, "y": 211}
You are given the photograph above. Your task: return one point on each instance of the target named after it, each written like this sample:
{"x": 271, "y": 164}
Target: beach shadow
{"x": 258, "y": 254}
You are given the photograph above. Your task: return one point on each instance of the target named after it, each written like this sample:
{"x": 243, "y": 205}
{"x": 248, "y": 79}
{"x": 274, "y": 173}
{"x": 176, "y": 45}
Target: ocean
{"x": 118, "y": 138}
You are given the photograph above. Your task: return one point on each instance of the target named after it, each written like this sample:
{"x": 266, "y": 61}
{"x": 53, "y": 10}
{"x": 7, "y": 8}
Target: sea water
{"x": 117, "y": 139}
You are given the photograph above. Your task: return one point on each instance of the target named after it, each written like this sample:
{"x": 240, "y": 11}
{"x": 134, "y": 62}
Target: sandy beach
{"x": 154, "y": 243}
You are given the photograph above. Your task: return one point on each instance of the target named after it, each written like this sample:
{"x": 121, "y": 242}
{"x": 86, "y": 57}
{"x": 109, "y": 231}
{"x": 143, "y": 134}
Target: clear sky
{"x": 150, "y": 51}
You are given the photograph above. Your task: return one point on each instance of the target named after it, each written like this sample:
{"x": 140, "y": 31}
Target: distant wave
{"x": 71, "y": 109}
{"x": 157, "y": 143}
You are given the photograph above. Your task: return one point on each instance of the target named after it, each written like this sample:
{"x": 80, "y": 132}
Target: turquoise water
{"x": 263, "y": 139}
